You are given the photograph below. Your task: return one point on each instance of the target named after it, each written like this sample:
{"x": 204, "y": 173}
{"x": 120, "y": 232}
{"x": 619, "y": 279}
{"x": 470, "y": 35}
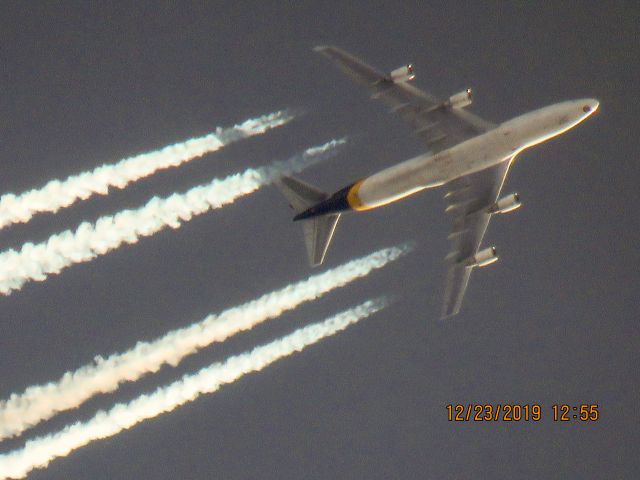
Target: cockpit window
{"x": 586, "y": 109}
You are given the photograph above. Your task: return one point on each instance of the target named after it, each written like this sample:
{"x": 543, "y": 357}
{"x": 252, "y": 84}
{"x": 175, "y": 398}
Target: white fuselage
{"x": 477, "y": 153}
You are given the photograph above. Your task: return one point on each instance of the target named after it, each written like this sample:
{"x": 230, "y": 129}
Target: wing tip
{"x": 324, "y": 49}
{"x": 448, "y": 315}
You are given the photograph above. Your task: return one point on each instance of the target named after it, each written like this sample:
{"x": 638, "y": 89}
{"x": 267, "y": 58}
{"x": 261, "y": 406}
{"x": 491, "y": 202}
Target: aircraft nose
{"x": 590, "y": 105}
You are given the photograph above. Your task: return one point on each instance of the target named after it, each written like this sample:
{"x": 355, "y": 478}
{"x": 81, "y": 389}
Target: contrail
{"x": 36, "y": 261}
{"x": 58, "y": 194}
{"x": 39, "y": 452}
{"x": 41, "y": 402}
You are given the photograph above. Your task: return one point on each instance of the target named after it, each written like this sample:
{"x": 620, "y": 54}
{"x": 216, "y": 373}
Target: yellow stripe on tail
{"x": 353, "y": 199}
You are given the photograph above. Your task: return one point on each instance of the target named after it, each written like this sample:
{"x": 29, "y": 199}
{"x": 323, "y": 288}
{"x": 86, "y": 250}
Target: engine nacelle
{"x": 461, "y": 100}
{"x": 506, "y": 204}
{"x": 483, "y": 258}
{"x": 403, "y": 74}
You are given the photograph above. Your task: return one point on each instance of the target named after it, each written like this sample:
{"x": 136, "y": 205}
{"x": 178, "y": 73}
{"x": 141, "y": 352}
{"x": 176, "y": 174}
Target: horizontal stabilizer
{"x": 318, "y": 231}
{"x": 301, "y": 195}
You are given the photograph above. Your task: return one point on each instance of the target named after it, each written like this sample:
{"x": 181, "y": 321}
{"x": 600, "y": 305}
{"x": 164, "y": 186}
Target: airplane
{"x": 467, "y": 155}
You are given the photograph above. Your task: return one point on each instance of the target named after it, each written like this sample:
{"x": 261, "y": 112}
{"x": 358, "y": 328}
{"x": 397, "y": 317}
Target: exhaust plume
{"x": 59, "y": 194}
{"x": 39, "y": 452}
{"x": 41, "y": 402}
{"x": 36, "y": 261}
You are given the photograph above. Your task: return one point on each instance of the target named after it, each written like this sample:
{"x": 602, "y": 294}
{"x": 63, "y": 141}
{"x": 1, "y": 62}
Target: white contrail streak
{"x": 41, "y": 402}
{"x": 39, "y": 452}
{"x": 58, "y": 194}
{"x": 36, "y": 261}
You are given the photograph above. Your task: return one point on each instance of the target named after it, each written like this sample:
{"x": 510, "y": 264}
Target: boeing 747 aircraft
{"x": 467, "y": 155}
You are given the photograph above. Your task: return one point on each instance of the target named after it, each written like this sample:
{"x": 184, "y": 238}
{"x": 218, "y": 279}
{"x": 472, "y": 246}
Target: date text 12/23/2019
{"x": 511, "y": 412}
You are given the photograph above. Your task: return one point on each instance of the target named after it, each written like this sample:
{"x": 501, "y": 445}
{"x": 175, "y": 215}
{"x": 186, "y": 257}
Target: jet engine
{"x": 460, "y": 100}
{"x": 506, "y": 204}
{"x": 483, "y": 258}
{"x": 403, "y": 74}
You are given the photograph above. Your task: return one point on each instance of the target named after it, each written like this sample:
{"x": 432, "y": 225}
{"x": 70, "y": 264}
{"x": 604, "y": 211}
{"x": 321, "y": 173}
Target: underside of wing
{"x": 438, "y": 123}
{"x": 471, "y": 201}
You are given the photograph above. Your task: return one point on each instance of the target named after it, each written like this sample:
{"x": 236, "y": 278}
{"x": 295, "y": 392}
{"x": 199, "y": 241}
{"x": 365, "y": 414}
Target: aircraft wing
{"x": 440, "y": 127}
{"x": 469, "y": 199}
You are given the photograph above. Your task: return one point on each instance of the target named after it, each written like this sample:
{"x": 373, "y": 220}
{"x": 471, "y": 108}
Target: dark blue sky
{"x": 554, "y": 321}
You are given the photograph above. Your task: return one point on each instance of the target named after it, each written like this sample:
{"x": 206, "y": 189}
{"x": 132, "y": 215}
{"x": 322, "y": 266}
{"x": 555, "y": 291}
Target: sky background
{"x": 554, "y": 321}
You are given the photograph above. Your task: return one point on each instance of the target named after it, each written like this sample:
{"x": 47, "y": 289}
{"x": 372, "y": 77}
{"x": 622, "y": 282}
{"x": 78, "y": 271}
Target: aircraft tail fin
{"x": 318, "y": 231}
